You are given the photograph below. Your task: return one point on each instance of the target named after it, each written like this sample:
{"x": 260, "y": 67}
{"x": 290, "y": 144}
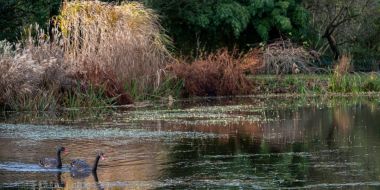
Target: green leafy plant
{"x": 219, "y": 23}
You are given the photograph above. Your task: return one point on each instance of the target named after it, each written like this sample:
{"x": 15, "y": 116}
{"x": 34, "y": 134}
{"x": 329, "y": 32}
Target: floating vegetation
{"x": 42, "y": 132}
{"x": 200, "y": 115}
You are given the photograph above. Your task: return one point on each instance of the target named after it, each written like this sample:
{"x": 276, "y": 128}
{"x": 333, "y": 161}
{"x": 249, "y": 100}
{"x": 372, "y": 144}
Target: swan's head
{"x": 101, "y": 155}
{"x": 62, "y": 149}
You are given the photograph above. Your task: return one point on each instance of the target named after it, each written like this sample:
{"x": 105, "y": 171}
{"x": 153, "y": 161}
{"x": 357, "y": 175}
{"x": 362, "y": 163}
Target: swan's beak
{"x": 65, "y": 152}
{"x": 102, "y": 157}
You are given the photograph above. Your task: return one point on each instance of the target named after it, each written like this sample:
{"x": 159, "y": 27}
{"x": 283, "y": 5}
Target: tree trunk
{"x": 332, "y": 42}
{"x": 333, "y": 46}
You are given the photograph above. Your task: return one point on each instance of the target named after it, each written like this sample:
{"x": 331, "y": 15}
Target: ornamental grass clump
{"x": 122, "y": 44}
{"x": 343, "y": 66}
{"x": 340, "y": 80}
{"x": 33, "y": 74}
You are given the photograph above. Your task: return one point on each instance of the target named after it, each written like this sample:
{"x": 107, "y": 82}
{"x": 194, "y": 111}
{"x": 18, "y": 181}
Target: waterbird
{"x": 80, "y": 168}
{"x": 54, "y": 162}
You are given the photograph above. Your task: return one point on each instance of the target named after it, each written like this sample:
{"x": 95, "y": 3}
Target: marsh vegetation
{"x": 230, "y": 94}
{"x": 94, "y": 54}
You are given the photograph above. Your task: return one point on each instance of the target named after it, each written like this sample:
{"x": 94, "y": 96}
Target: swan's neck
{"x": 95, "y": 167}
{"x": 59, "y": 159}
{"x": 95, "y": 175}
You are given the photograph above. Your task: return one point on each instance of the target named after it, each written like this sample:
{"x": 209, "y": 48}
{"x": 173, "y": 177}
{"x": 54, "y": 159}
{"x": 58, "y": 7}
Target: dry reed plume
{"x": 33, "y": 73}
{"x": 103, "y": 46}
{"x": 343, "y": 66}
{"x": 220, "y": 73}
{"x": 121, "y": 44}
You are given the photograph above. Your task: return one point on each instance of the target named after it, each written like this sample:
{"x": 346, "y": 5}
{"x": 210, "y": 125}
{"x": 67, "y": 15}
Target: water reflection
{"x": 99, "y": 186}
{"x": 61, "y": 184}
{"x": 241, "y": 145}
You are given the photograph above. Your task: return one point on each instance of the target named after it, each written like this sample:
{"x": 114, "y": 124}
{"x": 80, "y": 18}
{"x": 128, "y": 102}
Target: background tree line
{"x": 331, "y": 27}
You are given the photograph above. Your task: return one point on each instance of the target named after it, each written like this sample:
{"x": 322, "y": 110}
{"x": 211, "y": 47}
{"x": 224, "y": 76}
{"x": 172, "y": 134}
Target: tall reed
{"x": 97, "y": 51}
{"x": 340, "y": 81}
{"x": 123, "y": 44}
{"x": 32, "y": 73}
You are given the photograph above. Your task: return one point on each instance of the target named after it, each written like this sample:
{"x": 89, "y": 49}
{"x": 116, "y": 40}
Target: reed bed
{"x": 121, "y": 45}
{"x": 33, "y": 73}
{"x": 96, "y": 52}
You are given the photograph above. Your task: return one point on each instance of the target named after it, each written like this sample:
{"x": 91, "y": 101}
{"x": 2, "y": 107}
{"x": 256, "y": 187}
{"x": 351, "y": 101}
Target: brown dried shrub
{"x": 220, "y": 73}
{"x": 285, "y": 57}
{"x": 252, "y": 61}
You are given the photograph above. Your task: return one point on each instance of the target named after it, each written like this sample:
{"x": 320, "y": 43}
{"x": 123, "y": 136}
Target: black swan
{"x": 80, "y": 168}
{"x": 54, "y": 162}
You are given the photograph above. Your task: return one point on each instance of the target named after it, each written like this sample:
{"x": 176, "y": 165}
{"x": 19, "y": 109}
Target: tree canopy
{"x": 17, "y": 14}
{"x": 342, "y": 23}
{"x": 331, "y": 27}
{"x": 216, "y": 23}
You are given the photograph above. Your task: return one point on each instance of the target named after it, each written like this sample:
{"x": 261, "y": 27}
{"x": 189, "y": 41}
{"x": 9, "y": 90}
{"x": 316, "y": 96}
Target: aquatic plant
{"x": 339, "y": 80}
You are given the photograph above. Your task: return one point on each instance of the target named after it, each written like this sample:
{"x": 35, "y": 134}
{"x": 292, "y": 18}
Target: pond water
{"x": 221, "y": 143}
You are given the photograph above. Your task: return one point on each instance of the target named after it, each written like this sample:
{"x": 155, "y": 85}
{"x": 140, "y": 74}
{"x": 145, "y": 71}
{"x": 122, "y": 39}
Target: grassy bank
{"x": 316, "y": 84}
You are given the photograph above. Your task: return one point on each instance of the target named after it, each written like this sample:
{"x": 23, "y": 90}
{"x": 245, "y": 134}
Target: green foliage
{"x": 354, "y": 83}
{"x": 171, "y": 86}
{"x": 318, "y": 84}
{"x": 366, "y": 49}
{"x": 17, "y": 14}
{"x": 352, "y": 25}
{"x": 217, "y": 23}
{"x": 91, "y": 98}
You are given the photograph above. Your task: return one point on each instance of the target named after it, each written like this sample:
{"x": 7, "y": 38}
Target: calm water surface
{"x": 241, "y": 143}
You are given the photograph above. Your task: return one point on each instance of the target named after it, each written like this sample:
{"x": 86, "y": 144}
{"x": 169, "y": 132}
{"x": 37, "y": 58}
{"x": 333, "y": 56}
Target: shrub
{"x": 284, "y": 57}
{"x": 220, "y": 73}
